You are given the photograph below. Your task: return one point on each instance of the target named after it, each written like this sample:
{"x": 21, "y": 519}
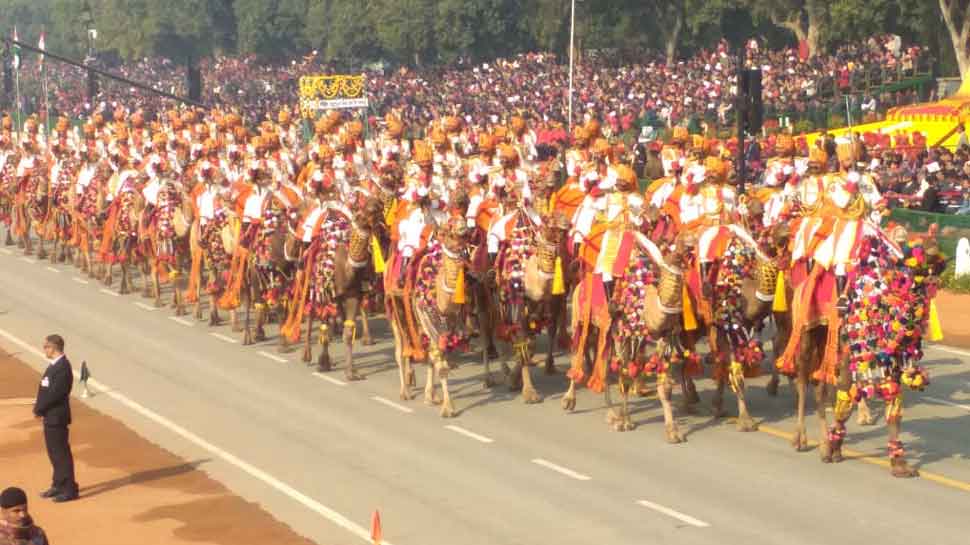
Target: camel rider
{"x": 420, "y": 209}
{"x": 615, "y": 206}
{"x": 567, "y": 199}
{"x": 233, "y": 165}
{"x": 511, "y": 189}
{"x": 482, "y": 206}
{"x": 783, "y": 175}
{"x": 523, "y": 139}
{"x": 593, "y": 181}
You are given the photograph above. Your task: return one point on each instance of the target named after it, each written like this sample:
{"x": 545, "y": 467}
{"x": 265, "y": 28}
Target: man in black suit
{"x": 54, "y": 406}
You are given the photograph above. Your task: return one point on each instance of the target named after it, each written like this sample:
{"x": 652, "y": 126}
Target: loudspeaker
{"x": 756, "y": 107}
{"x": 92, "y": 86}
{"x": 194, "y": 83}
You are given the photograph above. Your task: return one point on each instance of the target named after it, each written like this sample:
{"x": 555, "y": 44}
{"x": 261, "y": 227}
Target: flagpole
{"x": 20, "y": 113}
{"x": 43, "y": 69}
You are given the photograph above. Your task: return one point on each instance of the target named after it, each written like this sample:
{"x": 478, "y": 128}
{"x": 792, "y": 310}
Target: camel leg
{"x": 447, "y": 409}
{"x": 568, "y": 402}
{"x": 247, "y": 330}
{"x": 800, "y": 438}
{"x": 177, "y": 301}
{"x": 865, "y": 417}
{"x": 744, "y": 422}
{"x": 489, "y": 351}
{"x": 214, "y": 318}
{"x": 148, "y": 274}
{"x": 123, "y": 288}
{"x": 157, "y": 287}
{"x": 613, "y": 418}
{"x": 429, "y": 389}
{"x": 307, "y": 351}
{"x": 366, "y": 338}
{"x": 717, "y": 403}
{"x": 55, "y": 256}
{"x": 529, "y": 393}
{"x": 324, "y": 363}
{"x": 897, "y": 456}
{"x": 403, "y": 363}
{"x": 8, "y": 240}
{"x": 555, "y": 311}
{"x": 260, "y": 334}
{"x": 824, "y": 446}
{"x": 41, "y": 252}
{"x": 351, "y": 306}
{"x": 665, "y": 390}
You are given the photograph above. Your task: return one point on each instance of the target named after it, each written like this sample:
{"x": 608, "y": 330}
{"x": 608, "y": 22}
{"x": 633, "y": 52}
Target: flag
{"x": 376, "y": 532}
{"x": 16, "y": 50}
{"x": 40, "y": 45}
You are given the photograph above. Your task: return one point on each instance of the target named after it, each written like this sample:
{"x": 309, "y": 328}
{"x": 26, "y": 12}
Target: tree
{"x": 270, "y": 29}
{"x": 956, "y": 16}
{"x": 805, "y": 18}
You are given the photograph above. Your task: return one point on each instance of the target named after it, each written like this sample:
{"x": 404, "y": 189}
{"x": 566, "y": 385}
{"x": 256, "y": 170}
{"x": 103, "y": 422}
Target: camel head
{"x": 555, "y": 227}
{"x": 683, "y": 249}
{"x": 776, "y": 238}
{"x": 370, "y": 215}
{"x": 455, "y": 236}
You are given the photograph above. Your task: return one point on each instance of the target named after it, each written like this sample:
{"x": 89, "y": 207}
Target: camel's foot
{"x": 214, "y": 319}
{"x": 198, "y": 313}
{"x": 159, "y": 303}
{"x": 625, "y": 423}
{"x": 799, "y": 440}
{"x": 431, "y": 398}
{"x": 825, "y": 452}
{"x": 493, "y": 379}
{"x": 644, "y": 391}
{"x": 352, "y": 375}
{"x": 237, "y": 327}
{"x": 514, "y": 381}
{"x": 260, "y": 335}
{"x": 61, "y": 257}
{"x": 865, "y": 418}
{"x": 568, "y": 402}
{"x": 899, "y": 468}
{"x": 673, "y": 435}
{"x": 411, "y": 381}
{"x": 447, "y": 410}
{"x": 8, "y": 241}
{"x": 837, "y": 456}
{"x": 772, "y": 386}
{"x": 745, "y": 423}
{"x": 452, "y": 365}
{"x": 406, "y": 394}
{"x": 146, "y": 292}
{"x": 307, "y": 355}
{"x": 612, "y": 417}
{"x": 530, "y": 396}
{"x": 690, "y": 394}
{"x": 20, "y": 244}
{"x": 717, "y": 409}
{"x": 491, "y": 352}
{"x": 247, "y": 338}
{"x": 550, "y": 368}
{"x": 324, "y": 365}
{"x": 42, "y": 254}
{"x": 123, "y": 289}
{"x": 687, "y": 407}
{"x": 367, "y": 341}
{"x": 179, "y": 310}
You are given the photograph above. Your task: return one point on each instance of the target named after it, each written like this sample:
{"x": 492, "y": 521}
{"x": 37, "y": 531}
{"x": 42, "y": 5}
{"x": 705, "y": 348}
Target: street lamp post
{"x": 572, "y": 34}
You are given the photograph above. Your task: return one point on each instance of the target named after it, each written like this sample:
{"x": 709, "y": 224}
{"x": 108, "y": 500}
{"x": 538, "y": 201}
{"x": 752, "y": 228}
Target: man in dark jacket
{"x": 16, "y": 526}
{"x": 54, "y": 406}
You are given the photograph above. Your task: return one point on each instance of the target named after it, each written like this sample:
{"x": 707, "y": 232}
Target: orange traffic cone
{"x": 376, "y": 533}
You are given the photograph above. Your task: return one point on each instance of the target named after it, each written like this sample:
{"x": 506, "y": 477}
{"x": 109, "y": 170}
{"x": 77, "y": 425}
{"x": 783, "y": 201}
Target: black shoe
{"x": 67, "y": 496}
{"x": 50, "y": 493}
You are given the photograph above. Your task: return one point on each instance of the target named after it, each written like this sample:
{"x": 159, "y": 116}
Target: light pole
{"x": 572, "y": 34}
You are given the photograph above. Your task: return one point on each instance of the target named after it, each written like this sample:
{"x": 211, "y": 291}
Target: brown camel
{"x": 656, "y": 317}
{"x": 428, "y": 308}
{"x": 330, "y": 283}
{"x": 119, "y": 243}
{"x": 166, "y": 234}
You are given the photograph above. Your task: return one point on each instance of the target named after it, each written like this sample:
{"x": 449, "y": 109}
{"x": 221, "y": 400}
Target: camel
{"x": 166, "y": 230}
{"x": 820, "y": 358}
{"x": 119, "y": 242}
{"x": 88, "y": 219}
{"x": 32, "y": 203}
{"x": 9, "y": 159}
{"x": 731, "y": 302}
{"x": 526, "y": 286}
{"x": 211, "y": 245}
{"x": 329, "y": 284}
{"x": 639, "y": 311}
{"x": 427, "y": 312}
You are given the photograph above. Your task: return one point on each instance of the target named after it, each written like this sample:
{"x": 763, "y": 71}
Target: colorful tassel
{"x": 558, "y": 284}
{"x": 780, "y": 303}
{"x": 459, "y": 296}
{"x": 377, "y": 255}
{"x": 936, "y": 329}
{"x": 690, "y": 320}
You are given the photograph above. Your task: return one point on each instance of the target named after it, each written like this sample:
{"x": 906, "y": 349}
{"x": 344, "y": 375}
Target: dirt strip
{"x": 132, "y": 491}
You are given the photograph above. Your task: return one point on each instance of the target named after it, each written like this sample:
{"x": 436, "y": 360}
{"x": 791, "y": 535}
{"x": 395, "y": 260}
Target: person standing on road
{"x": 16, "y": 526}
{"x": 54, "y": 406}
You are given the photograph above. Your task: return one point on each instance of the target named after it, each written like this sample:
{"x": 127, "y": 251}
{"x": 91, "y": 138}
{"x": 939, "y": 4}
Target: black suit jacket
{"x": 54, "y": 399}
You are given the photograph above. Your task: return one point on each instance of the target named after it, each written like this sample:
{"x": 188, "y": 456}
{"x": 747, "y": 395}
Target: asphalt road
{"x": 322, "y": 455}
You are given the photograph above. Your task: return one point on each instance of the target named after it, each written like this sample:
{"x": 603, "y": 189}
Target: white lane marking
{"x": 228, "y": 457}
{"x": 951, "y": 350}
{"x": 672, "y": 513}
{"x": 28, "y": 259}
{"x": 466, "y": 433}
{"x": 7, "y": 251}
{"x": 106, "y": 291}
{"x": 52, "y": 269}
{"x": 332, "y": 380}
{"x": 80, "y": 280}
{"x": 222, "y": 337}
{"x": 560, "y": 469}
{"x": 143, "y": 306}
{"x": 950, "y": 403}
{"x": 182, "y": 321}
{"x": 393, "y": 405}
{"x": 271, "y": 356}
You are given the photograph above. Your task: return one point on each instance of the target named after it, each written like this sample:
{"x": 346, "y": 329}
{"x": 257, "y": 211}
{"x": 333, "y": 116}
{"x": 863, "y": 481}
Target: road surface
{"x": 321, "y": 454}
